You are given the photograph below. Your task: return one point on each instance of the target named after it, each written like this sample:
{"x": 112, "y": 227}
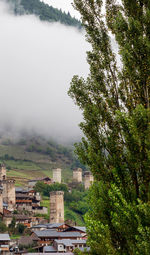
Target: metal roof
{"x": 49, "y": 249}
{"x": 66, "y": 242}
{"x": 70, "y": 242}
{"x": 4, "y": 237}
{"x": 40, "y": 226}
{"x": 54, "y": 225}
{"x": 83, "y": 229}
{"x": 53, "y": 233}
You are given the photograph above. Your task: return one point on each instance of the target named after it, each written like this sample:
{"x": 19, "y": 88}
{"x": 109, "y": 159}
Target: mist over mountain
{"x": 64, "y": 6}
{"x": 37, "y": 63}
{"x": 43, "y": 11}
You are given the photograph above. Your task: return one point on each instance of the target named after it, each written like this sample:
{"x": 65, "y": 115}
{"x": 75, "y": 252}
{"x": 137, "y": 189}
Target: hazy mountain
{"x": 43, "y": 11}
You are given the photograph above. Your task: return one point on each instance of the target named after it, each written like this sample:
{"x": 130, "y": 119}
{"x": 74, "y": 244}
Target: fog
{"x": 37, "y": 63}
{"x": 64, "y": 5}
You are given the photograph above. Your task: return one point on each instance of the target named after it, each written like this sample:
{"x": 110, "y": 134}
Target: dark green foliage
{"x": 12, "y": 224}
{"x": 3, "y": 227}
{"x": 20, "y": 228}
{"x": 44, "y": 12}
{"x": 115, "y": 101}
{"x": 45, "y": 189}
{"x": 16, "y": 229}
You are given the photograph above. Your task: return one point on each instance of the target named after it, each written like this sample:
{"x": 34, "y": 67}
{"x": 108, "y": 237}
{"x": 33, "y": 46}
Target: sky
{"x": 64, "y": 5}
{"x": 37, "y": 63}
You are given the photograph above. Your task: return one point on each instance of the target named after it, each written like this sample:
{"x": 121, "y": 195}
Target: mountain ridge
{"x": 43, "y": 11}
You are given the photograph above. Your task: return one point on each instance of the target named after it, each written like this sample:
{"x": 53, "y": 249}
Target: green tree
{"x": 114, "y": 100}
{"x": 20, "y": 228}
{"x": 3, "y": 227}
{"x": 43, "y": 11}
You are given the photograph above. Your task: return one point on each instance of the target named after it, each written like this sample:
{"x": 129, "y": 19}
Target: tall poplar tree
{"x": 115, "y": 101}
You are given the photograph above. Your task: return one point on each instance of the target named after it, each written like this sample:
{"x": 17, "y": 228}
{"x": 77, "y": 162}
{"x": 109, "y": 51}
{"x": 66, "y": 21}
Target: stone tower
{"x": 56, "y": 207}
{"x": 88, "y": 179}
{"x": 57, "y": 175}
{"x": 77, "y": 175}
{"x": 9, "y": 196}
{"x": 2, "y": 172}
{"x": 1, "y": 200}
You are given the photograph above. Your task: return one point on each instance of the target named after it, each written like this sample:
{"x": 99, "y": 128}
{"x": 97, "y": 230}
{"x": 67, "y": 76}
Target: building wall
{"x": 57, "y": 175}
{"x": 1, "y": 201}
{"x": 11, "y": 195}
{"x": 88, "y": 180}
{"x": 56, "y": 207}
{"x": 4, "y": 185}
{"x": 44, "y": 210}
{"x": 2, "y": 172}
{"x": 25, "y": 207}
{"x": 7, "y": 220}
{"x": 77, "y": 175}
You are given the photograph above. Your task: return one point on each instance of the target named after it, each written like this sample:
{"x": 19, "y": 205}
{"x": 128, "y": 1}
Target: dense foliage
{"x": 116, "y": 112}
{"x": 44, "y": 12}
{"x": 45, "y": 189}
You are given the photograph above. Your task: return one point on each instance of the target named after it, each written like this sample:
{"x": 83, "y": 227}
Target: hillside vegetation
{"x": 34, "y": 156}
{"x": 43, "y": 11}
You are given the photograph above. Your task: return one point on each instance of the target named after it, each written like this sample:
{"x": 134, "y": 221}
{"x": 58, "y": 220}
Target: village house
{"x": 47, "y": 237}
{"x": 29, "y": 200}
{"x": 68, "y": 245}
{"x": 4, "y": 244}
{"x": 81, "y": 230}
{"x": 46, "y": 180}
{"x": 55, "y": 226}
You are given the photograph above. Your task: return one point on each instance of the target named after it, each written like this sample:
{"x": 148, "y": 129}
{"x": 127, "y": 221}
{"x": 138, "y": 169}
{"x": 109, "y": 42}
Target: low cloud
{"x": 37, "y": 63}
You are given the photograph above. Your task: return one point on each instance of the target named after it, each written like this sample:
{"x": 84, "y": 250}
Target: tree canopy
{"x": 114, "y": 100}
{"x": 43, "y": 11}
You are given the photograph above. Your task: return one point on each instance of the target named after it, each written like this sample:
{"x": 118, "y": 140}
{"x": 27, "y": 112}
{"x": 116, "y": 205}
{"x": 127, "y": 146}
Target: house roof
{"x": 40, "y": 179}
{"x": 83, "y": 229}
{"x": 25, "y": 240}
{"x": 49, "y": 249}
{"x": 53, "y": 233}
{"x": 54, "y": 225}
{"x": 40, "y": 226}
{"x": 66, "y": 242}
{"x": 50, "y": 225}
{"x": 70, "y": 242}
{"x": 4, "y": 237}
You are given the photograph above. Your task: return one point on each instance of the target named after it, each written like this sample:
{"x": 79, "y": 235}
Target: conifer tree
{"x": 115, "y": 103}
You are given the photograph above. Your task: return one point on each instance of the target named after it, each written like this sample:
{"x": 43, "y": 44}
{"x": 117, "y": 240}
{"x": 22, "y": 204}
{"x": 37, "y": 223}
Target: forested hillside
{"x": 43, "y": 11}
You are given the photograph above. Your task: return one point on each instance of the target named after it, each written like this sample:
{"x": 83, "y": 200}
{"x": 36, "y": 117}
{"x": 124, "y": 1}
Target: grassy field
{"x": 23, "y": 175}
{"x": 24, "y": 164}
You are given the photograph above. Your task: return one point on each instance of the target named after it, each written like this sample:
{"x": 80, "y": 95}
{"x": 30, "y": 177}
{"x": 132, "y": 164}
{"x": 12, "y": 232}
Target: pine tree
{"x": 114, "y": 100}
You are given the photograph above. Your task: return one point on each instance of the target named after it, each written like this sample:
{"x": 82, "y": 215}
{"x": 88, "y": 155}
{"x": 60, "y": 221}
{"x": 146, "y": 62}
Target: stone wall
{"x": 2, "y": 172}
{"x": 57, "y": 175}
{"x": 77, "y": 175}
{"x": 56, "y": 207}
{"x": 1, "y": 200}
{"x": 88, "y": 179}
{"x": 11, "y": 195}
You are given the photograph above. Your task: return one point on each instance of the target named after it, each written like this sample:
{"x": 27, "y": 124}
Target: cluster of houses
{"x": 23, "y": 204}
{"x": 47, "y": 238}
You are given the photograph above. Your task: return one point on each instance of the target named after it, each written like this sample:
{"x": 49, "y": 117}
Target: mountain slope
{"x": 43, "y": 11}
{"x": 34, "y": 156}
